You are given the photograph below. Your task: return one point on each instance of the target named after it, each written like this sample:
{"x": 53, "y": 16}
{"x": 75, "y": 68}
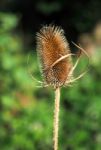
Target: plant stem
{"x": 56, "y": 118}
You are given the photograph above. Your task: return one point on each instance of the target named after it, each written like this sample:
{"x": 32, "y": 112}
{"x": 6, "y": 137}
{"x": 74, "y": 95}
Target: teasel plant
{"x": 57, "y": 68}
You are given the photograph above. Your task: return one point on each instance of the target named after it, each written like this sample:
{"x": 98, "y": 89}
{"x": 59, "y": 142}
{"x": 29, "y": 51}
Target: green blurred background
{"x": 26, "y": 112}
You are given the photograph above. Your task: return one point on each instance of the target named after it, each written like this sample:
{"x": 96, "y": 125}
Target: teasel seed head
{"x": 51, "y": 47}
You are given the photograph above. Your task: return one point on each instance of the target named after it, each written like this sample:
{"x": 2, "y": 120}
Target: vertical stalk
{"x": 56, "y": 118}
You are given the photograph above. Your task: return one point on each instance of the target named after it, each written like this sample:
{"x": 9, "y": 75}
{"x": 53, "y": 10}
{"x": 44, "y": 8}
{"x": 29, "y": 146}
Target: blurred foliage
{"x": 48, "y": 8}
{"x": 26, "y": 112}
{"x": 76, "y": 17}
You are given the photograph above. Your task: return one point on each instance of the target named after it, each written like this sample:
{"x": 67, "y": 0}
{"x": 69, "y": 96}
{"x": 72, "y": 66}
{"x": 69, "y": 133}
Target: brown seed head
{"x": 52, "y": 45}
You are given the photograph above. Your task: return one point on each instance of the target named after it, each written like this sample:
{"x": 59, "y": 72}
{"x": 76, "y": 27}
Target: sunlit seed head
{"x": 52, "y": 45}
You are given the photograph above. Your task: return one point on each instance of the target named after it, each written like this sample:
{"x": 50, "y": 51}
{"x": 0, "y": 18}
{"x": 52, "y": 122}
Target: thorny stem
{"x": 56, "y": 118}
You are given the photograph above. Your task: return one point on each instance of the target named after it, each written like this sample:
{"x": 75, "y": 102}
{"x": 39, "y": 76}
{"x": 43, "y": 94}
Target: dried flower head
{"x": 55, "y": 56}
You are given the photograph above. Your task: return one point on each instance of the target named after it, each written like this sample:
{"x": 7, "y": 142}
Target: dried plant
{"x": 56, "y": 66}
